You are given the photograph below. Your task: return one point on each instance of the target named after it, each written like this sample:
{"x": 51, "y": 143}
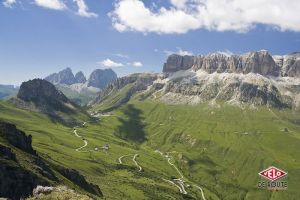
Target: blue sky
{"x": 37, "y": 39}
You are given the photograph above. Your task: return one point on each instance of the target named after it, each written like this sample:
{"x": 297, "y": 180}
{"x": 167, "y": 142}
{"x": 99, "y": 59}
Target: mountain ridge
{"x": 260, "y": 62}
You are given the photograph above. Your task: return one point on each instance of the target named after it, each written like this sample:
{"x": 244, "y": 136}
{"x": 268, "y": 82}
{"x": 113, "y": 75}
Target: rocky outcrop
{"x": 289, "y": 64}
{"x": 6, "y": 153}
{"x": 100, "y": 78}
{"x": 44, "y": 96}
{"x": 176, "y": 62}
{"x": 260, "y": 62}
{"x": 16, "y": 137}
{"x": 80, "y": 78}
{"x": 65, "y": 76}
{"x": 78, "y": 179}
{"x": 16, "y": 180}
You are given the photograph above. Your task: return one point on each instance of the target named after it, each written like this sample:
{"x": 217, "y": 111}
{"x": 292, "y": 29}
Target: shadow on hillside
{"x": 132, "y": 127}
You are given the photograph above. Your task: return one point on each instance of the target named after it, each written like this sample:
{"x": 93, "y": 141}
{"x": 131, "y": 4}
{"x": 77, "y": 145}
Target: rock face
{"x": 16, "y": 137}
{"x": 101, "y": 77}
{"x": 22, "y": 170}
{"x": 80, "y": 78}
{"x": 17, "y": 181}
{"x": 260, "y": 62}
{"x": 289, "y": 64}
{"x": 44, "y": 95}
{"x": 78, "y": 179}
{"x": 65, "y": 76}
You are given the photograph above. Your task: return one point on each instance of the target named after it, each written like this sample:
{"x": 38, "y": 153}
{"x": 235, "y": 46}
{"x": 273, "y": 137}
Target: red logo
{"x": 272, "y": 173}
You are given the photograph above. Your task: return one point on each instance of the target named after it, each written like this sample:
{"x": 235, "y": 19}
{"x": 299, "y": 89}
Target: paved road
{"x": 202, "y": 193}
{"x": 85, "y": 144}
{"x": 79, "y": 136}
{"x": 135, "y": 162}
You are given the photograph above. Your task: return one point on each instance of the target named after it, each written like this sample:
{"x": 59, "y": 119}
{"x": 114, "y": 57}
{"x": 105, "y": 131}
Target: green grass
{"x": 210, "y": 148}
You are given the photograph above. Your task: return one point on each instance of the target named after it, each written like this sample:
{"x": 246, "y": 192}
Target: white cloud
{"x": 9, "y": 3}
{"x": 136, "y": 64}
{"x": 121, "y": 55}
{"x": 179, "y": 52}
{"x": 51, "y": 4}
{"x": 109, "y": 63}
{"x": 219, "y": 15}
{"x": 83, "y": 9}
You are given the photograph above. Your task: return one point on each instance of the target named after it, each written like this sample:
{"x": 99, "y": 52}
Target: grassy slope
{"x": 211, "y": 148}
{"x": 224, "y": 149}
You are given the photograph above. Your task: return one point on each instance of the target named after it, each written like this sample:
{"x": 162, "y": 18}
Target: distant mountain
{"x": 254, "y": 79}
{"x": 65, "y": 76}
{"x": 100, "y": 78}
{"x": 260, "y": 62}
{"x": 7, "y": 91}
{"x": 80, "y": 78}
{"x": 41, "y": 96}
{"x": 77, "y": 87}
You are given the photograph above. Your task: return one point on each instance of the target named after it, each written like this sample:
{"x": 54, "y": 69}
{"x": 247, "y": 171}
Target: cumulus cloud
{"x": 179, "y": 52}
{"x": 136, "y": 64}
{"x": 51, "y": 4}
{"x": 83, "y": 9}
{"x": 9, "y": 3}
{"x": 218, "y": 15}
{"x": 109, "y": 63}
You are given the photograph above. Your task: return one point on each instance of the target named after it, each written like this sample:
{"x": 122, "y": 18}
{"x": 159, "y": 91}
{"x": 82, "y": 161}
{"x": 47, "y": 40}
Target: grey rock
{"x": 260, "y": 62}
{"x": 41, "y": 93}
{"x": 100, "y": 78}
{"x": 80, "y": 78}
{"x": 16, "y": 137}
{"x": 289, "y": 64}
{"x": 65, "y": 76}
{"x": 78, "y": 179}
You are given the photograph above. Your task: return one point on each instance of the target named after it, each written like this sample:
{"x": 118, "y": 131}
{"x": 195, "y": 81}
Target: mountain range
{"x": 254, "y": 79}
{"x": 202, "y": 129}
{"x": 98, "y": 79}
{"x": 78, "y": 88}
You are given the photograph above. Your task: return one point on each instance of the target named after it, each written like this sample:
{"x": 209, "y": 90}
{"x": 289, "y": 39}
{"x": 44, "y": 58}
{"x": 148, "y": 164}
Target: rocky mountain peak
{"x": 80, "y": 78}
{"x": 99, "y": 78}
{"x": 44, "y": 96}
{"x": 65, "y": 76}
{"x": 259, "y": 62}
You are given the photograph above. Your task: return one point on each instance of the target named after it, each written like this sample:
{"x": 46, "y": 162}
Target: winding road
{"x": 133, "y": 159}
{"x": 202, "y": 193}
{"x": 79, "y": 136}
{"x": 85, "y": 144}
{"x": 180, "y": 180}
{"x": 135, "y": 162}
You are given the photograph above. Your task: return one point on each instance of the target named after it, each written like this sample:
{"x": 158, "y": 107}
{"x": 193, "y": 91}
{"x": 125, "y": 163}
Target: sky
{"x": 40, "y": 37}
